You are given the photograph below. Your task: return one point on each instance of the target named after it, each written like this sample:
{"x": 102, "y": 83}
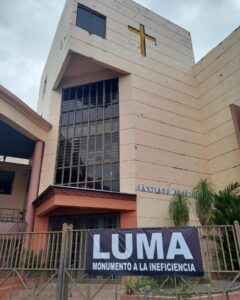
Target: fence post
{"x": 145, "y": 294}
{"x": 88, "y": 292}
{"x": 237, "y": 230}
{"x": 63, "y": 280}
{"x": 116, "y": 289}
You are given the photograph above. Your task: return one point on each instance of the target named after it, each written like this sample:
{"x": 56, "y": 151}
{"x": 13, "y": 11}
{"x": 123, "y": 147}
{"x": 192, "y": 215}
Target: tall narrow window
{"x": 88, "y": 147}
{"x": 91, "y": 21}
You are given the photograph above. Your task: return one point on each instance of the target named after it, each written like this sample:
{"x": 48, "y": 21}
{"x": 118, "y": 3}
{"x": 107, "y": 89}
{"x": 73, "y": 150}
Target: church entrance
{"x": 85, "y": 221}
{"x": 78, "y": 241}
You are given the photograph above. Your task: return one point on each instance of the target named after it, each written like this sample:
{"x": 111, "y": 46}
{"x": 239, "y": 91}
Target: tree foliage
{"x": 226, "y": 211}
{"x": 179, "y": 210}
{"x": 203, "y": 195}
{"x": 227, "y": 205}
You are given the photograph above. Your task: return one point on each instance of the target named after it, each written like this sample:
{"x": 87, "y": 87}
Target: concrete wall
{"x": 218, "y": 85}
{"x": 161, "y": 138}
{"x": 18, "y": 198}
{"x": 175, "y": 122}
{"x": 49, "y": 100}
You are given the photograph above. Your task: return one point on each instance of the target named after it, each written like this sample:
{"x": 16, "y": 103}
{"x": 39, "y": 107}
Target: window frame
{"x": 84, "y": 160}
{"x": 93, "y": 12}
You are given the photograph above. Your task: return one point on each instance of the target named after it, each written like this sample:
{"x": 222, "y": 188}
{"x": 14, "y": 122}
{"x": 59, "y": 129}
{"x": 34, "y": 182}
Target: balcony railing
{"x": 11, "y": 215}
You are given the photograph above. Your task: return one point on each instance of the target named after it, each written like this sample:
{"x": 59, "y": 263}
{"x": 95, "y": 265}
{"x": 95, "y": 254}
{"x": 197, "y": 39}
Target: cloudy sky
{"x": 27, "y": 28}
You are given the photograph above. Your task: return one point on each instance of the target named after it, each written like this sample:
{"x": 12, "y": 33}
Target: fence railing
{"x": 30, "y": 251}
{"x": 41, "y": 251}
{"x": 220, "y": 248}
{"x": 63, "y": 254}
{"x": 11, "y": 215}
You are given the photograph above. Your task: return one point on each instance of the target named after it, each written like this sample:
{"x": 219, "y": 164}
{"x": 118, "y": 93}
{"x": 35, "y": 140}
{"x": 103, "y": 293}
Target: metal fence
{"x": 59, "y": 257}
{"x": 220, "y": 246}
{"x": 11, "y": 215}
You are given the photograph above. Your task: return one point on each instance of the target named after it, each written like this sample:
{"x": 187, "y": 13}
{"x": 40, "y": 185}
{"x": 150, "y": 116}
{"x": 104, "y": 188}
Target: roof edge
{"x": 65, "y": 190}
{"x": 17, "y": 103}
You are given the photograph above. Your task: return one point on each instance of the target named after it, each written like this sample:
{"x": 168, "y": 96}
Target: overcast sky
{"x": 27, "y": 28}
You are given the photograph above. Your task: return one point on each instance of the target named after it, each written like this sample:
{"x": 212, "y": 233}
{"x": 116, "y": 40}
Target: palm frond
{"x": 231, "y": 189}
{"x": 203, "y": 195}
{"x": 227, "y": 205}
{"x": 179, "y": 210}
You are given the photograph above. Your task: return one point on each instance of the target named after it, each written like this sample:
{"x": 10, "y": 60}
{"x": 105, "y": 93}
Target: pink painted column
{"x": 33, "y": 184}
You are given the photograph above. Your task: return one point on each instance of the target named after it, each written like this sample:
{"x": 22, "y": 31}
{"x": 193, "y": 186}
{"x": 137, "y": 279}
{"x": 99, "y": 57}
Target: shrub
{"x": 203, "y": 195}
{"x": 179, "y": 208}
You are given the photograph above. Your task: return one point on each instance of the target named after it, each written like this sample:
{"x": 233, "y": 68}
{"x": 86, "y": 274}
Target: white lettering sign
{"x": 161, "y": 190}
{"x": 177, "y": 239}
{"x": 144, "y": 251}
{"x": 155, "y": 243}
{"x": 177, "y": 246}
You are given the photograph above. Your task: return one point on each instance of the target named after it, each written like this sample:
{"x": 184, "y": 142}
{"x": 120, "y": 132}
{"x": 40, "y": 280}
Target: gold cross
{"x": 143, "y": 36}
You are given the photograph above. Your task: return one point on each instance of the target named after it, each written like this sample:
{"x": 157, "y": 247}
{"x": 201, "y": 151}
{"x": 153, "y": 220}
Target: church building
{"x": 125, "y": 120}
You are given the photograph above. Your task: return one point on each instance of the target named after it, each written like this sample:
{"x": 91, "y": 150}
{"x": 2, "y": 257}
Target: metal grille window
{"x": 88, "y": 147}
{"x": 91, "y": 21}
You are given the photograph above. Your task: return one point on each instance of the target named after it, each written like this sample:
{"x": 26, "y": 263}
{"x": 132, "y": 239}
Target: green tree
{"x": 226, "y": 211}
{"x": 227, "y": 205}
{"x": 203, "y": 195}
{"x": 179, "y": 209}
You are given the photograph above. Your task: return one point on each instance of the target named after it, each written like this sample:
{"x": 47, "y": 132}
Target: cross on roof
{"x": 143, "y": 36}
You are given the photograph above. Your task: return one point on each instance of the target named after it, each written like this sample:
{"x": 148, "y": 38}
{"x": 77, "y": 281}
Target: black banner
{"x": 147, "y": 251}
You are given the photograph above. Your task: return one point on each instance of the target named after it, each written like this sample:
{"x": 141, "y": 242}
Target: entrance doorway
{"x": 86, "y": 221}
{"x": 81, "y": 222}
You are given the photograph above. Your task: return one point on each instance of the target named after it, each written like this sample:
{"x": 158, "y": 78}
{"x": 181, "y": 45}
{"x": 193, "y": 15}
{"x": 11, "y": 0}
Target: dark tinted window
{"x": 91, "y": 21}
{"x": 88, "y": 147}
{"x": 6, "y": 182}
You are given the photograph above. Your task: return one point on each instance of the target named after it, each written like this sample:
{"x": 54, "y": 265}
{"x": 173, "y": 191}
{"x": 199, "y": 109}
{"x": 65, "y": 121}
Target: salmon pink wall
{"x": 128, "y": 219}
{"x": 41, "y": 224}
{"x": 63, "y": 203}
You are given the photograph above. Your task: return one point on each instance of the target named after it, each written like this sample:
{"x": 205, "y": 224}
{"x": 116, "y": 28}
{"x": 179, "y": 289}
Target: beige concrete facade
{"x": 175, "y": 122}
{"x": 218, "y": 86}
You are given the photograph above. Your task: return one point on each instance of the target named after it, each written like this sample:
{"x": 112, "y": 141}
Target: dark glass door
{"x": 87, "y": 221}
